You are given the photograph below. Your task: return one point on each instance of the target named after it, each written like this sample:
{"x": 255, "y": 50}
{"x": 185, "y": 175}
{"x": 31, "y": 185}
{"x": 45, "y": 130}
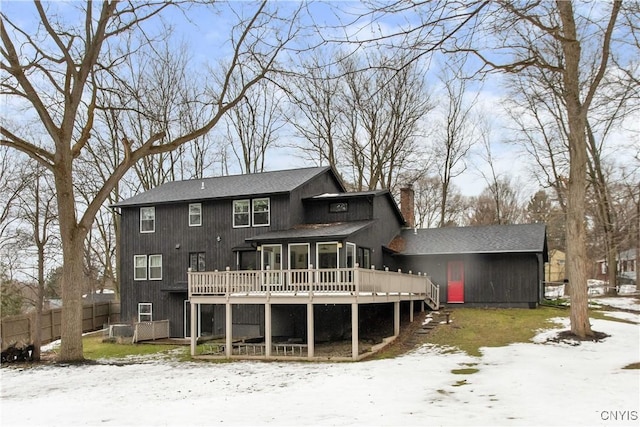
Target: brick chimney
{"x": 407, "y": 205}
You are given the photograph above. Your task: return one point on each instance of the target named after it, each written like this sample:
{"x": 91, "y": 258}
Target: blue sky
{"x": 207, "y": 37}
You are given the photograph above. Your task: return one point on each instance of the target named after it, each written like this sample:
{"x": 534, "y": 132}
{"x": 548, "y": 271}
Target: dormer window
{"x": 338, "y": 207}
{"x": 148, "y": 220}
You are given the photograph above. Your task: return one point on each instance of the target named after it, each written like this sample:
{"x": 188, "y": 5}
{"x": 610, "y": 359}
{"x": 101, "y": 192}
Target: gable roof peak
{"x": 228, "y": 186}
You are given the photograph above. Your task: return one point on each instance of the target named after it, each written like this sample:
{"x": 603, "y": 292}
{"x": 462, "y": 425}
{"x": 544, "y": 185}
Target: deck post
{"x": 194, "y": 337}
{"x": 228, "y": 348}
{"x": 354, "y": 331}
{"x": 411, "y": 311}
{"x": 310, "y": 331}
{"x": 396, "y": 318}
{"x": 267, "y": 329}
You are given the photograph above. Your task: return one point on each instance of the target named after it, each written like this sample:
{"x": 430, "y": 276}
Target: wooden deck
{"x": 338, "y": 285}
{"x": 311, "y": 287}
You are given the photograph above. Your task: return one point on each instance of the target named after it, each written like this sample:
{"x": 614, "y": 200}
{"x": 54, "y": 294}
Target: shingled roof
{"x": 336, "y": 230}
{"x": 264, "y": 183}
{"x": 359, "y": 194}
{"x": 472, "y": 240}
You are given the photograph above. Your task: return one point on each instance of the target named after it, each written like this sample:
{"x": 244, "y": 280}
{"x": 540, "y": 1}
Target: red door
{"x": 455, "y": 281}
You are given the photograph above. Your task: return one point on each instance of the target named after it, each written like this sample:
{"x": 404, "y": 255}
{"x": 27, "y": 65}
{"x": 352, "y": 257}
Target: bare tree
{"x": 361, "y": 115}
{"x": 314, "y": 108}
{"x": 539, "y": 109}
{"x": 383, "y": 111}
{"x": 534, "y": 103}
{"x": 541, "y": 208}
{"x": 253, "y": 125}
{"x": 455, "y": 136}
{"x": 428, "y": 204}
{"x": 497, "y": 204}
{"x": 427, "y": 201}
{"x": 39, "y": 220}
{"x": 11, "y": 184}
{"x": 54, "y": 71}
{"x": 526, "y": 31}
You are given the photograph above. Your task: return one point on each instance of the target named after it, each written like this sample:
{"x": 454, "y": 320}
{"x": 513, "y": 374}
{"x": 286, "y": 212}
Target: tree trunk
{"x": 72, "y": 277}
{"x": 72, "y": 236}
{"x": 37, "y": 321}
{"x": 612, "y": 271}
{"x": 576, "y": 232}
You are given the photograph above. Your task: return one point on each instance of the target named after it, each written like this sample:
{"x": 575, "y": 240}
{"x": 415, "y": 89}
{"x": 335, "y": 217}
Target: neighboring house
{"x": 627, "y": 267}
{"x": 554, "y": 270}
{"x": 290, "y": 256}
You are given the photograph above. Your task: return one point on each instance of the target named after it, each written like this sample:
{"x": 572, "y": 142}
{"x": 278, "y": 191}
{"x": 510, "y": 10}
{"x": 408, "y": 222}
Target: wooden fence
{"x": 19, "y": 329}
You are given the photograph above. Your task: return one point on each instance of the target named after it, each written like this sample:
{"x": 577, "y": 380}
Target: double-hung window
{"x": 155, "y": 267}
{"x": 252, "y": 213}
{"x": 195, "y": 214}
{"x": 145, "y": 312}
{"x": 261, "y": 212}
{"x": 148, "y": 219}
{"x": 140, "y": 267}
{"x": 241, "y": 215}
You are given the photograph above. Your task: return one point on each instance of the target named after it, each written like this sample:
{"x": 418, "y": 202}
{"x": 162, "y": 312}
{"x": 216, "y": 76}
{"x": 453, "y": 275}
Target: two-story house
{"x": 290, "y": 255}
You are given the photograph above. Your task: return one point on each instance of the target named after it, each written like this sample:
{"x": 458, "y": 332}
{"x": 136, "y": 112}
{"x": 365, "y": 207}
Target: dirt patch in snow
{"x": 568, "y": 337}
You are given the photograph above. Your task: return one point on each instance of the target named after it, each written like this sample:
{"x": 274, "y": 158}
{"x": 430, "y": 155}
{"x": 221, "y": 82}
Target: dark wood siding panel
{"x": 371, "y": 237}
{"x": 321, "y": 184}
{"x": 175, "y": 240}
{"x": 508, "y": 278}
{"x": 317, "y": 211}
{"x": 497, "y": 279}
{"x": 166, "y": 306}
{"x": 383, "y": 209}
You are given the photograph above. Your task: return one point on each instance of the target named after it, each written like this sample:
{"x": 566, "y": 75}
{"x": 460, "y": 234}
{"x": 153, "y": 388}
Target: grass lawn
{"x": 95, "y": 349}
{"x": 472, "y": 328}
{"x": 469, "y": 330}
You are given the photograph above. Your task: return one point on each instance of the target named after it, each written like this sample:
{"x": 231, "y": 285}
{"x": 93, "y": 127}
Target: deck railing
{"x": 305, "y": 281}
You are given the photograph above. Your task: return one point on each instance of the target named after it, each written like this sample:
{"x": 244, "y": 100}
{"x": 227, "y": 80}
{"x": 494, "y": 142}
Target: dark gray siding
{"x": 174, "y": 239}
{"x": 372, "y": 237}
{"x": 317, "y": 211}
{"x": 324, "y": 183}
{"x": 489, "y": 279}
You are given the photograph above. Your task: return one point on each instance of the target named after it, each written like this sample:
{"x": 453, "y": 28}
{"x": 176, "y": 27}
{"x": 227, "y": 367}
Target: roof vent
{"x": 202, "y": 186}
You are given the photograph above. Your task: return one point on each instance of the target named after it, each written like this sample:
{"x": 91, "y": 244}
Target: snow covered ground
{"x": 621, "y": 303}
{"x": 537, "y": 383}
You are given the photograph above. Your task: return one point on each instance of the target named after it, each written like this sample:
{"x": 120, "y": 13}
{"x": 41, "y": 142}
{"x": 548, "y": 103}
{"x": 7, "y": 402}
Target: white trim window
{"x": 155, "y": 267}
{"x": 148, "y": 219}
{"x": 197, "y": 261}
{"x": 139, "y": 267}
{"x": 327, "y": 255}
{"x": 299, "y": 256}
{"x": 272, "y": 257}
{"x": 351, "y": 255}
{"x": 260, "y": 209}
{"x": 195, "y": 214}
{"x": 145, "y": 312}
{"x": 241, "y": 215}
